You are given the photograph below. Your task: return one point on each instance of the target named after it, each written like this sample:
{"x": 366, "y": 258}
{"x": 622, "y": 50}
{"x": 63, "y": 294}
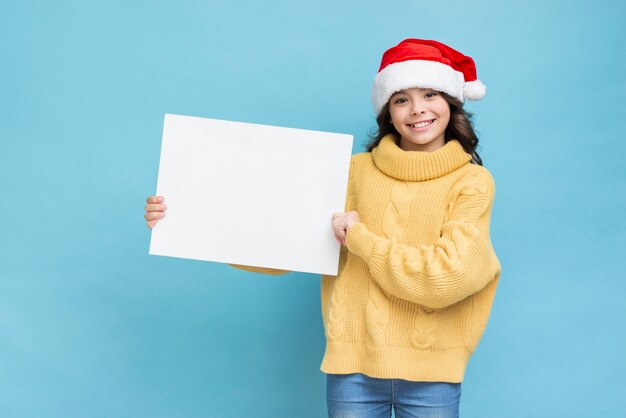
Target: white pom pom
{"x": 474, "y": 90}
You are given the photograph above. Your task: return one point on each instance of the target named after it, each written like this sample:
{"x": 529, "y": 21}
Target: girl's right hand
{"x": 155, "y": 210}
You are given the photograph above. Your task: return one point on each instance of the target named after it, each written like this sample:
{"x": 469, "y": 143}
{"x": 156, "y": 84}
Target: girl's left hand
{"x": 342, "y": 222}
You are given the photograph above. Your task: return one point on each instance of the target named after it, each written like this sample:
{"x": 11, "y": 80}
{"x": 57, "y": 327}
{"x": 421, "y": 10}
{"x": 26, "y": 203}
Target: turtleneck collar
{"x": 418, "y": 165}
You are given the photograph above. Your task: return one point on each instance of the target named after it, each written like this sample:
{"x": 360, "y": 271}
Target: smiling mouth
{"x": 421, "y": 124}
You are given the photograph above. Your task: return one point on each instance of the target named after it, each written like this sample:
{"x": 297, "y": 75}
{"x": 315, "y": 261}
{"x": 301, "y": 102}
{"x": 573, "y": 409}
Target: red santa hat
{"x": 425, "y": 64}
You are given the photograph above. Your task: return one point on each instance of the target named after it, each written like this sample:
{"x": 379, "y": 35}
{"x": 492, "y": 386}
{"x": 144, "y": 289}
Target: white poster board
{"x": 250, "y": 194}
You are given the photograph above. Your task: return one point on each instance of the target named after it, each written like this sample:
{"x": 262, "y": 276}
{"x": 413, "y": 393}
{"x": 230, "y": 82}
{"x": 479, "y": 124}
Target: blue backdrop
{"x": 92, "y": 326}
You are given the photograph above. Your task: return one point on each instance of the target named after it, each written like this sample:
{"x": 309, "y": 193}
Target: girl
{"x": 417, "y": 272}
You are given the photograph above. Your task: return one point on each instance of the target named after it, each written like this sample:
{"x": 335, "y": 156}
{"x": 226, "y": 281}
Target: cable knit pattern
{"x": 425, "y": 326}
{"x": 395, "y": 220}
{"x": 337, "y": 312}
{"x": 377, "y": 315}
{"x": 335, "y": 319}
{"x": 420, "y": 274}
{"x": 396, "y": 216}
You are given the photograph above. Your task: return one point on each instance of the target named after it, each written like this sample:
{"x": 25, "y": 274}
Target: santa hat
{"x": 425, "y": 64}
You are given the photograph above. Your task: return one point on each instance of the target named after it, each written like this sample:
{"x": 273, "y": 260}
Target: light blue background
{"x": 92, "y": 326}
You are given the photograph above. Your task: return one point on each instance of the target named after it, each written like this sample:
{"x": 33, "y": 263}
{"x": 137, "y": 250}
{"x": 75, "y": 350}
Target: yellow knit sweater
{"x": 417, "y": 280}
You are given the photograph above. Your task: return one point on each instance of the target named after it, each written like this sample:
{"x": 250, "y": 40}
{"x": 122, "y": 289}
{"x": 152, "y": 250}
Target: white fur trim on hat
{"x": 474, "y": 90}
{"x": 416, "y": 73}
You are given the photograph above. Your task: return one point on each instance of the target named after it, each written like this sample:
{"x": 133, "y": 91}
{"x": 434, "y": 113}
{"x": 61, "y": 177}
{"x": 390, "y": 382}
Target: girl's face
{"x": 420, "y": 116}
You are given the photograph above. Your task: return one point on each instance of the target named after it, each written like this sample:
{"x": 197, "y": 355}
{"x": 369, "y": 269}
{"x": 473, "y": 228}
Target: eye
{"x": 431, "y": 93}
{"x": 399, "y": 100}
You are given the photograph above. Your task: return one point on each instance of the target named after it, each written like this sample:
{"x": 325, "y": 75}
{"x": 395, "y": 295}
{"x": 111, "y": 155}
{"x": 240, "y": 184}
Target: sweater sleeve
{"x": 458, "y": 264}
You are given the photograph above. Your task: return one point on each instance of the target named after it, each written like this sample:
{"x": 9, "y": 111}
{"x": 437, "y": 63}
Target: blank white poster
{"x": 250, "y": 194}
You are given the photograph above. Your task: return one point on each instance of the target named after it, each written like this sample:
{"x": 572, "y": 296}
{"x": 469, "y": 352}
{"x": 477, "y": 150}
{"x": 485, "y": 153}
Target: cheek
{"x": 398, "y": 125}
{"x": 393, "y": 114}
{"x": 396, "y": 116}
{"x": 446, "y": 117}
{"x": 444, "y": 113}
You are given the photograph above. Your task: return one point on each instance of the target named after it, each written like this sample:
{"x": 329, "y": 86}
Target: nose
{"x": 418, "y": 107}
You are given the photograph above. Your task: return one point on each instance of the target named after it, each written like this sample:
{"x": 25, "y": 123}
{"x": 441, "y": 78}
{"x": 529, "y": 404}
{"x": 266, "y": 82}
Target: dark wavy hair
{"x": 460, "y": 127}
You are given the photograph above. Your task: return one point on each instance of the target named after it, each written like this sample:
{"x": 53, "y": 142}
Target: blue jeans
{"x": 361, "y": 396}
